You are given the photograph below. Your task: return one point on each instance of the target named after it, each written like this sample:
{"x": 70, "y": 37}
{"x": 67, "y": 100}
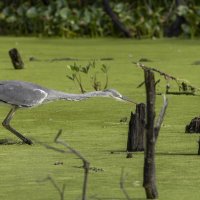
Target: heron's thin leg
{"x": 6, "y": 124}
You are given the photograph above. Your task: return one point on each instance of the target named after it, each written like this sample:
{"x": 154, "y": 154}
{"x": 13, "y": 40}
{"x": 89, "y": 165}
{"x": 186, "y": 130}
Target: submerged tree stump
{"x": 16, "y": 59}
{"x": 136, "y": 129}
{"x": 193, "y": 126}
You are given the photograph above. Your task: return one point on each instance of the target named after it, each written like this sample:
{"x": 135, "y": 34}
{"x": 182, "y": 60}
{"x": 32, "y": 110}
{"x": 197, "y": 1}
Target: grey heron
{"x": 21, "y": 94}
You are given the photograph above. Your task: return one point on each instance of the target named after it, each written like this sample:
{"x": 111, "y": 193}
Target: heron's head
{"x": 116, "y": 95}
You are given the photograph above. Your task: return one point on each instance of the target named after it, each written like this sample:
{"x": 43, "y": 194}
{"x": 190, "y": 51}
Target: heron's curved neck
{"x": 58, "y": 95}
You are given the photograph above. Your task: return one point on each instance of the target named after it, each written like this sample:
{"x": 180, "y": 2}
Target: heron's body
{"x": 21, "y": 94}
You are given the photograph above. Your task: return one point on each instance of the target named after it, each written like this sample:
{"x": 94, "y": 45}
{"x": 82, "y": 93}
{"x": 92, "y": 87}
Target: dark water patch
{"x": 197, "y": 62}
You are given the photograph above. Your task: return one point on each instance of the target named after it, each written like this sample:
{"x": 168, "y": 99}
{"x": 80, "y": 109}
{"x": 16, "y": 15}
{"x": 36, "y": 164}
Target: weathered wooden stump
{"x": 16, "y": 59}
{"x": 136, "y": 129}
{"x": 193, "y": 126}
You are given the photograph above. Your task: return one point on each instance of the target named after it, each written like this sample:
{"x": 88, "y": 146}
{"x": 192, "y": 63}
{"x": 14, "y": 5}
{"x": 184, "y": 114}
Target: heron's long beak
{"x": 123, "y": 98}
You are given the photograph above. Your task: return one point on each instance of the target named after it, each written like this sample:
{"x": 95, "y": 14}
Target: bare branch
{"x": 86, "y": 164}
{"x": 183, "y": 85}
{"x": 166, "y": 76}
{"x": 50, "y": 147}
{"x": 121, "y": 183}
{"x": 161, "y": 116}
{"x": 78, "y": 154}
{"x": 61, "y": 192}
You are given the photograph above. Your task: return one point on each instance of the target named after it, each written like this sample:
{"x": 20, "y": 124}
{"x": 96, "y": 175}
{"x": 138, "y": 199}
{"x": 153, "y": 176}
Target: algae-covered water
{"x": 93, "y": 127}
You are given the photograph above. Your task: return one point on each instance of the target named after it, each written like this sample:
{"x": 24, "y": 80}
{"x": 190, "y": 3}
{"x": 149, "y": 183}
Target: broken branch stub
{"x": 16, "y": 58}
{"x": 136, "y": 130}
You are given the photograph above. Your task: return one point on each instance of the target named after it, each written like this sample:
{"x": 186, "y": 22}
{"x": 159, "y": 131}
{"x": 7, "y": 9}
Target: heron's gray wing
{"x": 21, "y": 94}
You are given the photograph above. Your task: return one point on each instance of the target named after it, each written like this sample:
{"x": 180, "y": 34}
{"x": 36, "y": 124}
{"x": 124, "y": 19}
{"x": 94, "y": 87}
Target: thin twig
{"x": 51, "y": 147}
{"x": 121, "y": 183}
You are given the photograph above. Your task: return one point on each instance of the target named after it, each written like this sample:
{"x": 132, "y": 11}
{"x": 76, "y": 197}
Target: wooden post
{"x": 16, "y": 59}
{"x": 135, "y": 140}
{"x": 149, "y": 181}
